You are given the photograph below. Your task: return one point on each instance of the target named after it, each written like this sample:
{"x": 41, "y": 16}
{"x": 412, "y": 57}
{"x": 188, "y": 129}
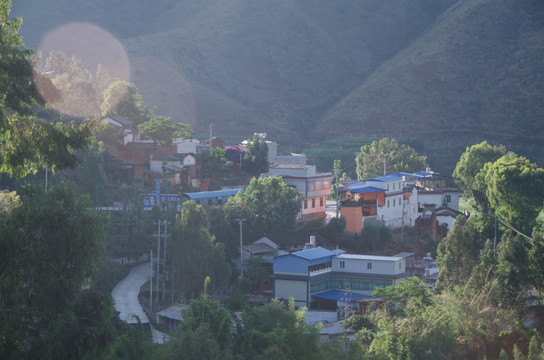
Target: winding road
{"x": 125, "y": 295}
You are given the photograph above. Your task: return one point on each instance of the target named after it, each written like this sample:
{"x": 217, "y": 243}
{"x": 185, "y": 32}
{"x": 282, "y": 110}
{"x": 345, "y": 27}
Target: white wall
{"x": 381, "y": 265}
{"x": 290, "y": 288}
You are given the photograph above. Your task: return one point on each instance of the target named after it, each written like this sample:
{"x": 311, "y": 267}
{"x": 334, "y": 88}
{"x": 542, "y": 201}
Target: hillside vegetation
{"x": 307, "y": 70}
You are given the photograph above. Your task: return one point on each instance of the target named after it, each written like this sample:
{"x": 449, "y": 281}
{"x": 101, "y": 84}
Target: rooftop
{"x": 369, "y": 257}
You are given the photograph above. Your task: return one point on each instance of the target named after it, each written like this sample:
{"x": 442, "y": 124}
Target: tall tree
{"x": 163, "y": 129}
{"x": 194, "y": 251}
{"x": 515, "y": 189}
{"x": 268, "y": 204}
{"x": 29, "y": 143}
{"x": 458, "y": 253}
{"x": 50, "y": 245}
{"x": 256, "y": 156}
{"x": 471, "y": 162}
{"x": 122, "y": 98}
{"x": 513, "y": 269}
{"x": 388, "y": 154}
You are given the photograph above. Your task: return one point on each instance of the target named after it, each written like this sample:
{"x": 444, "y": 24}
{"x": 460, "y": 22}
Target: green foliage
{"x": 18, "y": 91}
{"x": 163, "y": 129}
{"x": 397, "y": 158}
{"x": 79, "y": 95}
{"x": 256, "y": 156}
{"x": 458, "y": 253}
{"x": 513, "y": 269}
{"x": 217, "y": 319}
{"x": 51, "y": 244}
{"x": 131, "y": 230}
{"x": 122, "y": 98}
{"x": 216, "y": 167}
{"x": 536, "y": 261}
{"x": 334, "y": 229}
{"x": 374, "y": 235}
{"x": 471, "y": 162}
{"x": 515, "y": 190}
{"x": 195, "y": 254}
{"x": 358, "y": 322}
{"x": 268, "y": 205}
{"x": 271, "y": 332}
{"x": 408, "y": 296}
{"x": 255, "y": 272}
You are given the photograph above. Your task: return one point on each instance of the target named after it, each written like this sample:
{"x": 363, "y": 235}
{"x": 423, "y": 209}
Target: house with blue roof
{"x": 328, "y": 279}
{"x": 399, "y": 200}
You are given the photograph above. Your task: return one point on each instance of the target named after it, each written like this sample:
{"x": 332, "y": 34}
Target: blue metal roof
{"x": 366, "y": 189}
{"x": 340, "y": 295}
{"x": 212, "y": 194}
{"x": 386, "y": 178}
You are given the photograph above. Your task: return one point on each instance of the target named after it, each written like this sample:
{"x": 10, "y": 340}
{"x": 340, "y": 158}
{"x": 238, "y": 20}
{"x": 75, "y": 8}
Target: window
{"x": 447, "y": 198}
{"x": 209, "y": 201}
{"x": 321, "y": 201}
{"x": 219, "y": 200}
{"x": 387, "y": 203}
{"x": 393, "y": 186}
{"x": 387, "y": 187}
{"x": 313, "y": 203}
{"x": 369, "y": 266}
{"x": 394, "y": 202}
{"x": 400, "y": 265}
{"x": 305, "y": 204}
{"x": 342, "y": 264}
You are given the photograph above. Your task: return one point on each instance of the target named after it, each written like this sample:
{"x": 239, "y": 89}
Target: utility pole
{"x": 211, "y": 137}
{"x": 241, "y": 221}
{"x": 357, "y": 165}
{"x": 164, "y": 236}
{"x": 336, "y": 174}
{"x": 384, "y": 161}
{"x": 402, "y": 217}
{"x": 158, "y": 261}
{"x": 151, "y": 281}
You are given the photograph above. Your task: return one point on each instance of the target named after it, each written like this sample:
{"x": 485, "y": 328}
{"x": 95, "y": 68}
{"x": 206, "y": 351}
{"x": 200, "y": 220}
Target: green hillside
{"x": 445, "y": 72}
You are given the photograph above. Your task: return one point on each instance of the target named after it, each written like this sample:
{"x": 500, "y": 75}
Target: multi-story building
{"x": 306, "y": 180}
{"x": 398, "y": 200}
{"x": 325, "y": 279}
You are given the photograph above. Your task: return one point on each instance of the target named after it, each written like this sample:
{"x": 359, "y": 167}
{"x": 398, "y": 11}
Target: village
{"x": 331, "y": 283}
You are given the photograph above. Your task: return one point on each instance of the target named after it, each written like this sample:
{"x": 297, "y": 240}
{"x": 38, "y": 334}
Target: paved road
{"x": 125, "y": 295}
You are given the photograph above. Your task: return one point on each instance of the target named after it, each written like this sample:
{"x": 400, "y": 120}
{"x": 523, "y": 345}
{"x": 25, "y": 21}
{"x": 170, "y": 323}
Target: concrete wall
{"x": 291, "y": 288}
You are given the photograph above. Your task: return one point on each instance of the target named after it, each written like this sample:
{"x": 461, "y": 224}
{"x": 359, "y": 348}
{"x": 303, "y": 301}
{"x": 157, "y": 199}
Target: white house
{"x": 186, "y": 146}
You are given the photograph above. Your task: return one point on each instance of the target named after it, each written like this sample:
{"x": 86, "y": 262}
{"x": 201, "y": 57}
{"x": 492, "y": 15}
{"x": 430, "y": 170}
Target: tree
{"x": 536, "y": 261}
{"x": 163, "y": 129}
{"x": 273, "y": 332}
{"x": 50, "y": 246}
{"x": 122, "y": 98}
{"x": 268, "y": 204}
{"x": 513, "y": 269}
{"x": 256, "y": 156}
{"x": 458, "y": 253}
{"x": 194, "y": 251}
{"x": 29, "y": 143}
{"x": 80, "y": 96}
{"x": 515, "y": 189}
{"x": 397, "y": 158}
{"x": 471, "y": 162}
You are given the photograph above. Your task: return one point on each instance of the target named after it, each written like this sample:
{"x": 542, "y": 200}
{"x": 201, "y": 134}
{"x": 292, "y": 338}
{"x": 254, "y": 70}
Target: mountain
{"x": 444, "y": 71}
